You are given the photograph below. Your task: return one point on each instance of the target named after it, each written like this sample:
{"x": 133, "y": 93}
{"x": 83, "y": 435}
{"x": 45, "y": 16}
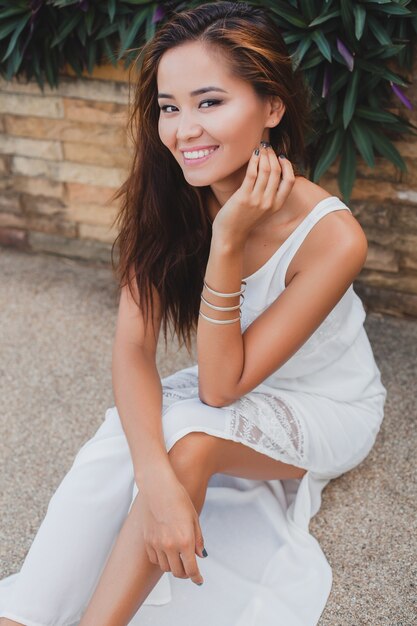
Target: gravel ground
{"x": 57, "y": 320}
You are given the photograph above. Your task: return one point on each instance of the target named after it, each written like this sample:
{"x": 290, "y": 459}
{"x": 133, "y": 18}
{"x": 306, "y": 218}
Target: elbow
{"x": 211, "y": 400}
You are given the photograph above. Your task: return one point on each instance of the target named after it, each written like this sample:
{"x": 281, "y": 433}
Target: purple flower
{"x": 400, "y": 95}
{"x": 158, "y": 15}
{"x": 346, "y": 54}
{"x": 326, "y": 82}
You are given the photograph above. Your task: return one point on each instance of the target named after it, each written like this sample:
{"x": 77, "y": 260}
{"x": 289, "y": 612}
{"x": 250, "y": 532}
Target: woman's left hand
{"x": 266, "y": 186}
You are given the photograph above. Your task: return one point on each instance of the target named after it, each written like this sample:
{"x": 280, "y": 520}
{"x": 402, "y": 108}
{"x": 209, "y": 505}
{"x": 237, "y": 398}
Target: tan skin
{"x": 129, "y": 574}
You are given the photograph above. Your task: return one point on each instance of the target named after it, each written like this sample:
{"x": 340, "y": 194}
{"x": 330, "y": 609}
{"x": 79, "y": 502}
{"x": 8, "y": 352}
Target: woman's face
{"x": 233, "y": 120}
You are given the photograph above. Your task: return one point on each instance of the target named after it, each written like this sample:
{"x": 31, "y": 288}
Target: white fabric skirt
{"x": 263, "y": 565}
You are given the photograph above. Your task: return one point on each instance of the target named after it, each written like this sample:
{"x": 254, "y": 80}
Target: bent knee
{"x": 192, "y": 454}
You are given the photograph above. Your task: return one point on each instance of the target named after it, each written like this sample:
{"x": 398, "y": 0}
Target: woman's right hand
{"x": 171, "y": 527}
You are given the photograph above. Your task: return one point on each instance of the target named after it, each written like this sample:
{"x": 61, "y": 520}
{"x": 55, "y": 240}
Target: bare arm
{"x": 137, "y": 390}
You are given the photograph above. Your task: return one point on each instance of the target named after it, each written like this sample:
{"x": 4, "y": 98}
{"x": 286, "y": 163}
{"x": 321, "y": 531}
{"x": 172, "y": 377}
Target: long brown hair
{"x": 164, "y": 226}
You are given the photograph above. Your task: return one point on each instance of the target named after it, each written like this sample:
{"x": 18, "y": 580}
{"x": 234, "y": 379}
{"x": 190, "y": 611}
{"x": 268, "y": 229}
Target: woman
{"x": 285, "y": 395}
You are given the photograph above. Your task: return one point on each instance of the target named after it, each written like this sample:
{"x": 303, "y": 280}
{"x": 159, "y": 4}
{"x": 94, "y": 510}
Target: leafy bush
{"x": 350, "y": 53}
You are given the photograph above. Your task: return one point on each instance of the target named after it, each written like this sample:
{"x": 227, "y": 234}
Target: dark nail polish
{"x": 199, "y": 584}
{"x": 265, "y": 144}
{"x": 205, "y": 552}
{"x": 257, "y": 151}
{"x": 282, "y": 156}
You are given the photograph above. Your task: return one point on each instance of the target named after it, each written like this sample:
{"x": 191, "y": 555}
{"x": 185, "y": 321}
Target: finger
{"x": 153, "y": 557}
{"x": 287, "y": 182}
{"x": 163, "y": 561}
{"x": 199, "y": 540}
{"x": 176, "y": 564}
{"x": 251, "y": 172}
{"x": 274, "y": 181}
{"x": 264, "y": 171}
{"x": 191, "y": 566}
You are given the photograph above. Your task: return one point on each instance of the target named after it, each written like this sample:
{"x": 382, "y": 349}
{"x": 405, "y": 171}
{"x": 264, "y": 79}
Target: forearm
{"x": 137, "y": 392}
{"x": 220, "y": 346}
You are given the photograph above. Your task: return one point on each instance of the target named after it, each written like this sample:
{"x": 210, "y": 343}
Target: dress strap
{"x": 301, "y": 233}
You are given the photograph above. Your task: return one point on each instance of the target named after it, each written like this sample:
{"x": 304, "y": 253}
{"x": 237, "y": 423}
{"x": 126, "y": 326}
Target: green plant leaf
{"x": 347, "y": 169}
{"x": 65, "y": 29}
{"x": 289, "y": 15}
{"x": 363, "y": 141}
{"x": 375, "y": 115}
{"x": 359, "y": 14}
{"x": 300, "y": 51}
{"x": 379, "y": 31}
{"x": 351, "y": 97}
{"x": 112, "y": 9}
{"x": 132, "y": 31}
{"x": 388, "y": 150}
{"x": 324, "y": 17}
{"x": 322, "y": 44}
{"x": 378, "y": 70}
{"x": 20, "y": 26}
{"x": 329, "y": 153}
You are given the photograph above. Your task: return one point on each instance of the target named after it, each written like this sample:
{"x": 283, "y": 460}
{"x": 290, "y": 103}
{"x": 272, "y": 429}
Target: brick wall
{"x": 64, "y": 152}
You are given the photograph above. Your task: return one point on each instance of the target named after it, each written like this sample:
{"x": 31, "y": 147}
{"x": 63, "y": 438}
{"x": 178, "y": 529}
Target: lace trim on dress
{"x": 179, "y": 386}
{"x": 268, "y": 422}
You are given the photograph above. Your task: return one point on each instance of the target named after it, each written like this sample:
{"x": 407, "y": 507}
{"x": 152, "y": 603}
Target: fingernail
{"x": 205, "y": 552}
{"x": 257, "y": 151}
{"x": 282, "y": 156}
{"x": 199, "y": 583}
{"x": 265, "y": 144}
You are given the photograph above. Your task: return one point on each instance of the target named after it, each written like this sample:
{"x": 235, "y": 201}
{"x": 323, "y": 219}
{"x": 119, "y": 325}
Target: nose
{"x": 187, "y": 128}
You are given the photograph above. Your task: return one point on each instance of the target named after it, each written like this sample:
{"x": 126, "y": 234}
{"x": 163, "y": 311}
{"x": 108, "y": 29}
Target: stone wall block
{"x": 91, "y": 213}
{"x": 387, "y": 301}
{"x": 94, "y": 154}
{"x": 399, "y": 282}
{"x": 65, "y": 130}
{"x": 4, "y": 164}
{"x": 408, "y": 261}
{"x": 10, "y": 202}
{"x": 405, "y": 217}
{"x": 372, "y": 213}
{"x": 39, "y": 106}
{"x": 43, "y": 206}
{"x": 380, "y": 258}
{"x": 12, "y": 220}
{"x": 97, "y": 232}
{"x": 88, "y": 194}
{"x": 68, "y": 172}
{"x": 84, "y": 88}
{"x": 31, "y": 147}
{"x": 37, "y": 186}
{"x": 95, "y": 112}
{"x": 44, "y": 224}
{"x": 13, "y": 237}
{"x": 68, "y": 247}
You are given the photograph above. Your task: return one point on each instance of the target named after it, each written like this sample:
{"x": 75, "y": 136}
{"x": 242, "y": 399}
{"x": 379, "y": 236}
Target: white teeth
{"x": 198, "y": 154}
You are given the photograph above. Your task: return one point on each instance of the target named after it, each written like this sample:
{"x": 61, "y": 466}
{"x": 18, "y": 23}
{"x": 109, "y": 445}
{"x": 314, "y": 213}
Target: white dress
{"x": 320, "y": 411}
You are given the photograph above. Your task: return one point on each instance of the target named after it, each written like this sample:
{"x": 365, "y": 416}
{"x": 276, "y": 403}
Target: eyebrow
{"x": 196, "y": 92}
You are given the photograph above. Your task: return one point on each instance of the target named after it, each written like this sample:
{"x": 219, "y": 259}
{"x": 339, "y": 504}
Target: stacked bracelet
{"x": 222, "y": 308}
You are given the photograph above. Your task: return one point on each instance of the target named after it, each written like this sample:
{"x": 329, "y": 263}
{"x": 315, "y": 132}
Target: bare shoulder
{"x": 337, "y": 236}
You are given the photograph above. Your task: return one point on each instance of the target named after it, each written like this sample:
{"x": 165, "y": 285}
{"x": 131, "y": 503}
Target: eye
{"x": 166, "y": 106}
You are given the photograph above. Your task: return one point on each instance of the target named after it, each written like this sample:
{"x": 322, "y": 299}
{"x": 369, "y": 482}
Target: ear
{"x": 276, "y": 111}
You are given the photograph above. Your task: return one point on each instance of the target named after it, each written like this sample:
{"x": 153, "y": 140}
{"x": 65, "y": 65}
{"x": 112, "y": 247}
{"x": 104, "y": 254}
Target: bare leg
{"x": 9, "y": 622}
{"x": 129, "y": 576}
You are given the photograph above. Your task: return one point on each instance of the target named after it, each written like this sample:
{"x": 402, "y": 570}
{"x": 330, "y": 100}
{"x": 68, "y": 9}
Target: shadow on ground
{"x": 57, "y": 320}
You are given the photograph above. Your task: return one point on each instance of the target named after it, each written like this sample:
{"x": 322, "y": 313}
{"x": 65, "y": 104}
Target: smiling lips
{"x": 198, "y": 156}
